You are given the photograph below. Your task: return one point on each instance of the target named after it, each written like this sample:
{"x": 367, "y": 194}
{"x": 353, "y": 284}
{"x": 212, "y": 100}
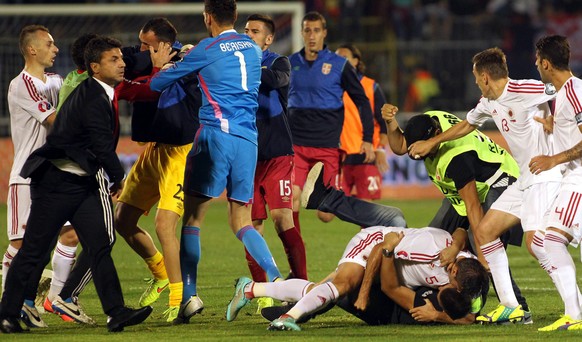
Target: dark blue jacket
{"x": 272, "y": 122}
{"x": 316, "y": 112}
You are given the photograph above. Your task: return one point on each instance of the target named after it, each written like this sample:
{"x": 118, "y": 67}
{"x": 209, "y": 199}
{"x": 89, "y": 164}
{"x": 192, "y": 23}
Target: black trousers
{"x": 81, "y": 275}
{"x": 58, "y": 197}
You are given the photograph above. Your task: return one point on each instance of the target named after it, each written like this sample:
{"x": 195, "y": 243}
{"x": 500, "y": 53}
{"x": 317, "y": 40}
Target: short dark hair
{"x": 26, "y": 35}
{"x": 493, "y": 62}
{"x": 361, "y": 67}
{"x": 162, "y": 28}
{"x": 420, "y": 127}
{"x": 454, "y": 303}
{"x": 95, "y": 49}
{"x": 472, "y": 277}
{"x": 556, "y": 50}
{"x": 265, "y": 19}
{"x": 314, "y": 16}
{"x": 223, "y": 11}
{"x": 78, "y": 49}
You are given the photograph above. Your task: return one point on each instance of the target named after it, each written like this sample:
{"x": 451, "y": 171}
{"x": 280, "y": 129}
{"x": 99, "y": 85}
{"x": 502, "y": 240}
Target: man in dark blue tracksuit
{"x": 319, "y": 78}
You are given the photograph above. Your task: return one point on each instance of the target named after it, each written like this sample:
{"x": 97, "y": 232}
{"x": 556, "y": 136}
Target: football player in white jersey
{"x": 418, "y": 264}
{"x": 564, "y": 216}
{"x": 32, "y": 101}
{"x": 516, "y": 106}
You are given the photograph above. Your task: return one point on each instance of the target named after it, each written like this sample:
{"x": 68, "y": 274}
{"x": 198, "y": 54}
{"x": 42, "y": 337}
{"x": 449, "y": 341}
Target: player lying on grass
{"x": 417, "y": 256}
{"x": 422, "y": 307}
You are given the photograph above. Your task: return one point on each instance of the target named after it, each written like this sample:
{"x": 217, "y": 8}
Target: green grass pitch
{"x": 223, "y": 260}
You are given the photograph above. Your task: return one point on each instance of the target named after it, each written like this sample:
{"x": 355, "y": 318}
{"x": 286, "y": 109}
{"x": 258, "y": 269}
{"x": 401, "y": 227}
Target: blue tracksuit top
{"x": 229, "y": 72}
{"x": 272, "y": 121}
{"x": 316, "y": 110}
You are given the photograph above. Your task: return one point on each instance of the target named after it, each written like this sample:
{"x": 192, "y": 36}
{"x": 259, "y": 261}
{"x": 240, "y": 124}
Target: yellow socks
{"x": 176, "y": 293}
{"x": 157, "y": 266}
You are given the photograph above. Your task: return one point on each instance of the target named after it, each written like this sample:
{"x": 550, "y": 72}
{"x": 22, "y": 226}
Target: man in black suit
{"x": 65, "y": 188}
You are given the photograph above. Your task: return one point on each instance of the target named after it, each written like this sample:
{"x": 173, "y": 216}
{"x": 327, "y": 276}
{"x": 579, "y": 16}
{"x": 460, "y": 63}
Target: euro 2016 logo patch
{"x": 326, "y": 68}
{"x": 550, "y": 89}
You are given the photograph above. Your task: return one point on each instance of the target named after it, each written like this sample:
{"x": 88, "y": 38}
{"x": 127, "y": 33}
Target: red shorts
{"x": 306, "y": 157}
{"x": 365, "y": 178}
{"x": 273, "y": 186}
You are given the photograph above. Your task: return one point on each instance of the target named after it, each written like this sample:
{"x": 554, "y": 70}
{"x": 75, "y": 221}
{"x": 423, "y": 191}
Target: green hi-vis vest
{"x": 487, "y": 150}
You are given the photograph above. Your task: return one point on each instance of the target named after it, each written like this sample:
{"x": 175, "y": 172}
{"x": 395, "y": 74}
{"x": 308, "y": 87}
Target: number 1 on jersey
{"x": 243, "y": 69}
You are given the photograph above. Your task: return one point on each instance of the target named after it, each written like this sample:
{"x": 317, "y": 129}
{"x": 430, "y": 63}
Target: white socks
{"x": 556, "y": 246}
{"x": 294, "y": 290}
{"x": 291, "y": 290}
{"x": 537, "y": 247}
{"x": 6, "y": 261}
{"x": 317, "y": 298}
{"x": 62, "y": 262}
{"x": 496, "y": 257}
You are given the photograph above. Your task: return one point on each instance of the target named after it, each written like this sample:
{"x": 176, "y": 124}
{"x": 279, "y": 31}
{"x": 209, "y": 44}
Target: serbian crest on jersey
{"x": 326, "y": 68}
{"x": 550, "y": 89}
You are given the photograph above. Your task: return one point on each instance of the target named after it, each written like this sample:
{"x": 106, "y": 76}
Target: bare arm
{"x": 381, "y": 162}
{"x": 48, "y": 122}
{"x": 475, "y": 213}
{"x": 395, "y": 137}
{"x": 423, "y": 147}
{"x": 372, "y": 267}
{"x": 401, "y": 295}
{"x": 547, "y": 123}
{"x": 543, "y": 163}
{"x": 449, "y": 254}
{"x": 469, "y": 195}
{"x": 427, "y": 313}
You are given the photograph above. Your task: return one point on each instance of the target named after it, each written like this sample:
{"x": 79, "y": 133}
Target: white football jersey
{"x": 567, "y": 120}
{"x": 417, "y": 257}
{"x": 30, "y": 102}
{"x": 513, "y": 113}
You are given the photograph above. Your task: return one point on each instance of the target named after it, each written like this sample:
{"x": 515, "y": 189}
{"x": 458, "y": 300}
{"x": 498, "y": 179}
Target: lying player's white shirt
{"x": 513, "y": 113}
{"x": 417, "y": 254}
{"x": 567, "y": 119}
{"x": 417, "y": 257}
{"x": 30, "y": 102}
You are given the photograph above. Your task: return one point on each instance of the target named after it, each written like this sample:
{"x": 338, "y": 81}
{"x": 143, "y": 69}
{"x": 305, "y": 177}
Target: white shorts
{"x": 17, "y": 211}
{"x": 565, "y": 213}
{"x": 529, "y": 205}
{"x": 360, "y": 246}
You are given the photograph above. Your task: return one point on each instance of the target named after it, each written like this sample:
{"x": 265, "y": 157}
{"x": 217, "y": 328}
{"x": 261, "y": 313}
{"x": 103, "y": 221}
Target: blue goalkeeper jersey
{"x": 229, "y": 73}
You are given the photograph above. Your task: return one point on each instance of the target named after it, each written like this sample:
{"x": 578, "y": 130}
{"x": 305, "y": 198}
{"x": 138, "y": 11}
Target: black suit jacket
{"x": 83, "y": 133}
